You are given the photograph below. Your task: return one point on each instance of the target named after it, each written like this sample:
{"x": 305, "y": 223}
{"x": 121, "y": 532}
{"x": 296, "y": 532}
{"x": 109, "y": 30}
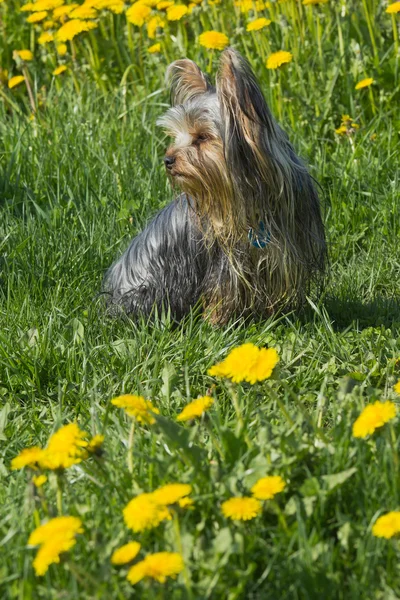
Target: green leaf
{"x": 180, "y": 439}
{"x": 336, "y": 479}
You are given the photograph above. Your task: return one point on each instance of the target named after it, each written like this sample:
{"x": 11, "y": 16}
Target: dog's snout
{"x": 169, "y": 161}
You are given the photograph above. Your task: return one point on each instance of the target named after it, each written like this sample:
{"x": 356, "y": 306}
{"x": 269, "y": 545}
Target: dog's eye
{"x": 202, "y": 137}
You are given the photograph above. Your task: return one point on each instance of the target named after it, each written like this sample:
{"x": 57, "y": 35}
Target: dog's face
{"x": 195, "y": 160}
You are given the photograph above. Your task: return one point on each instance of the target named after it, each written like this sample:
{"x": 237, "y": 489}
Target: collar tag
{"x": 259, "y": 239}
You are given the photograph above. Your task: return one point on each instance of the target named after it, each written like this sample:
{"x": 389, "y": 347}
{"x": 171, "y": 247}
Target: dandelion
{"x": 41, "y": 5}
{"x": 247, "y": 363}
{"x": 364, "y": 83}
{"x": 246, "y": 6}
{"x": 95, "y": 444}
{"x": 258, "y": 24}
{"x": 393, "y": 8}
{"x": 213, "y": 40}
{"x": 59, "y": 70}
{"x": 241, "y": 508}
{"x": 277, "y": 59}
{"x": 54, "y": 537}
{"x": 63, "y": 11}
{"x": 154, "y": 49}
{"x": 347, "y": 126}
{"x": 61, "y": 49}
{"x": 39, "y": 480}
{"x": 176, "y": 12}
{"x": 196, "y": 408}
{"x": 25, "y": 55}
{"x": 164, "y": 5}
{"x": 137, "y": 407}
{"x": 14, "y": 81}
{"x": 143, "y": 513}
{"x": 154, "y": 24}
{"x": 83, "y": 12}
{"x": 396, "y": 387}
{"x": 125, "y": 553}
{"x": 72, "y": 28}
{"x": 48, "y": 25}
{"x": 45, "y": 38}
{"x": 310, "y": 2}
{"x": 138, "y": 13}
{"x": 372, "y": 417}
{"x": 387, "y": 526}
{"x": 171, "y": 493}
{"x": 157, "y": 566}
{"x": 267, "y": 487}
{"x": 66, "y": 447}
{"x": 37, "y": 17}
{"x": 185, "y": 502}
{"x": 29, "y": 457}
{"x": 115, "y": 6}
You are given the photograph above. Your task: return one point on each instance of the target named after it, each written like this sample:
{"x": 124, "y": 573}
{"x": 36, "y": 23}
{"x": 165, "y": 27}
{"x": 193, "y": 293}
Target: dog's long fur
{"x": 246, "y": 235}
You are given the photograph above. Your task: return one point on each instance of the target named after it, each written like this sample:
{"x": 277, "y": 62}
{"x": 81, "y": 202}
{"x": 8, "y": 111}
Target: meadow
{"x": 80, "y": 174}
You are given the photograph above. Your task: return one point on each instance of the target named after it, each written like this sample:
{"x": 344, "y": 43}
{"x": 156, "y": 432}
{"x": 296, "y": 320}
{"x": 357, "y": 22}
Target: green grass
{"x": 76, "y": 184}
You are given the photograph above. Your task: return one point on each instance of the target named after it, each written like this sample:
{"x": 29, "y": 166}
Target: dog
{"x": 245, "y": 236}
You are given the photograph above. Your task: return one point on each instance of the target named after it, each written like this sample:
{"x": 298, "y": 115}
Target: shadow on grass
{"x": 378, "y": 312}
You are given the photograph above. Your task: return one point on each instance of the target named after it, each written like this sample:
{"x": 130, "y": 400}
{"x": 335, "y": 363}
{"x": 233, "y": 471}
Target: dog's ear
{"x": 249, "y": 127}
{"x": 186, "y": 81}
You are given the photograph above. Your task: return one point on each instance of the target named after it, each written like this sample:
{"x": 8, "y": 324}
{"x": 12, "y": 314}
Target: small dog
{"x": 246, "y": 235}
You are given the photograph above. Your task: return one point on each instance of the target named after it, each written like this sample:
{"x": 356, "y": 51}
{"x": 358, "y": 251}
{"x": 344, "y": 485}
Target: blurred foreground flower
{"x": 364, "y": 83}
{"x": 125, "y": 553}
{"x": 59, "y": 70}
{"x": 54, "y": 537}
{"x": 137, "y": 407}
{"x": 143, "y": 513}
{"x": 247, "y": 363}
{"x": 14, "y": 81}
{"x": 396, "y": 387}
{"x": 241, "y": 508}
{"x": 387, "y": 526}
{"x": 25, "y": 55}
{"x": 347, "y": 126}
{"x": 154, "y": 49}
{"x": 213, "y": 40}
{"x": 267, "y": 487}
{"x": 39, "y": 480}
{"x": 72, "y": 28}
{"x": 171, "y": 493}
{"x": 195, "y": 409}
{"x": 308, "y": 2}
{"x": 258, "y": 24}
{"x": 277, "y": 59}
{"x": 393, "y": 8}
{"x": 372, "y": 417}
{"x": 176, "y": 12}
{"x": 138, "y": 13}
{"x": 157, "y": 566}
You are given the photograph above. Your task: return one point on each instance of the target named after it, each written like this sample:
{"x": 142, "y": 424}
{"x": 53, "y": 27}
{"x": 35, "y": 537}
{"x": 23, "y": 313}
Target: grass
{"x": 76, "y": 184}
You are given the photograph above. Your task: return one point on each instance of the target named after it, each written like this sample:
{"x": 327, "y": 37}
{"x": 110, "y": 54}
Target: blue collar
{"x": 259, "y": 239}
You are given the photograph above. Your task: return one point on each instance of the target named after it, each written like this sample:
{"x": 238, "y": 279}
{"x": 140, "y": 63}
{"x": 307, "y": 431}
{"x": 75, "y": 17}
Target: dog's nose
{"x": 169, "y": 161}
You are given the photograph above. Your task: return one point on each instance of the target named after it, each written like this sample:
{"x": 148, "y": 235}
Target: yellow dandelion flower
{"x": 138, "y": 13}
{"x": 213, "y": 40}
{"x": 48, "y": 25}
{"x": 157, "y": 566}
{"x": 176, "y": 12}
{"x": 29, "y": 457}
{"x": 164, "y": 5}
{"x": 45, "y": 38}
{"x": 41, "y": 5}
{"x": 186, "y": 502}
{"x": 393, "y": 8}
{"x": 95, "y": 444}
{"x": 171, "y": 493}
{"x": 61, "y": 49}
{"x": 14, "y": 81}
{"x": 258, "y": 24}
{"x": 154, "y": 49}
{"x": 83, "y": 12}
{"x": 396, "y": 387}
{"x": 241, "y": 508}
{"x": 37, "y": 17}
{"x": 388, "y": 525}
{"x": 143, "y": 513}
{"x": 342, "y": 130}
{"x": 125, "y": 553}
{"x": 72, "y": 28}
{"x": 39, "y": 480}
{"x": 310, "y": 2}
{"x": 59, "y": 70}
{"x": 137, "y": 407}
{"x": 63, "y": 11}
{"x": 151, "y": 3}
{"x": 364, "y": 83}
{"x": 65, "y": 448}
{"x": 277, "y": 59}
{"x": 55, "y": 537}
{"x": 247, "y": 363}
{"x": 115, "y": 6}
{"x": 27, "y": 7}
{"x": 25, "y": 55}
{"x": 267, "y": 487}
{"x": 196, "y": 408}
{"x": 155, "y": 23}
{"x": 372, "y": 417}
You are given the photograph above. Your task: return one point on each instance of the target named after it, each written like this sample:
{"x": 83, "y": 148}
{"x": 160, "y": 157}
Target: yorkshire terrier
{"x": 245, "y": 237}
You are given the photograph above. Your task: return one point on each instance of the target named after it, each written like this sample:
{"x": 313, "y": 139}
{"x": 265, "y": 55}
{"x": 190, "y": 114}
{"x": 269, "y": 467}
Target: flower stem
{"x": 130, "y": 448}
{"x": 179, "y": 546}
